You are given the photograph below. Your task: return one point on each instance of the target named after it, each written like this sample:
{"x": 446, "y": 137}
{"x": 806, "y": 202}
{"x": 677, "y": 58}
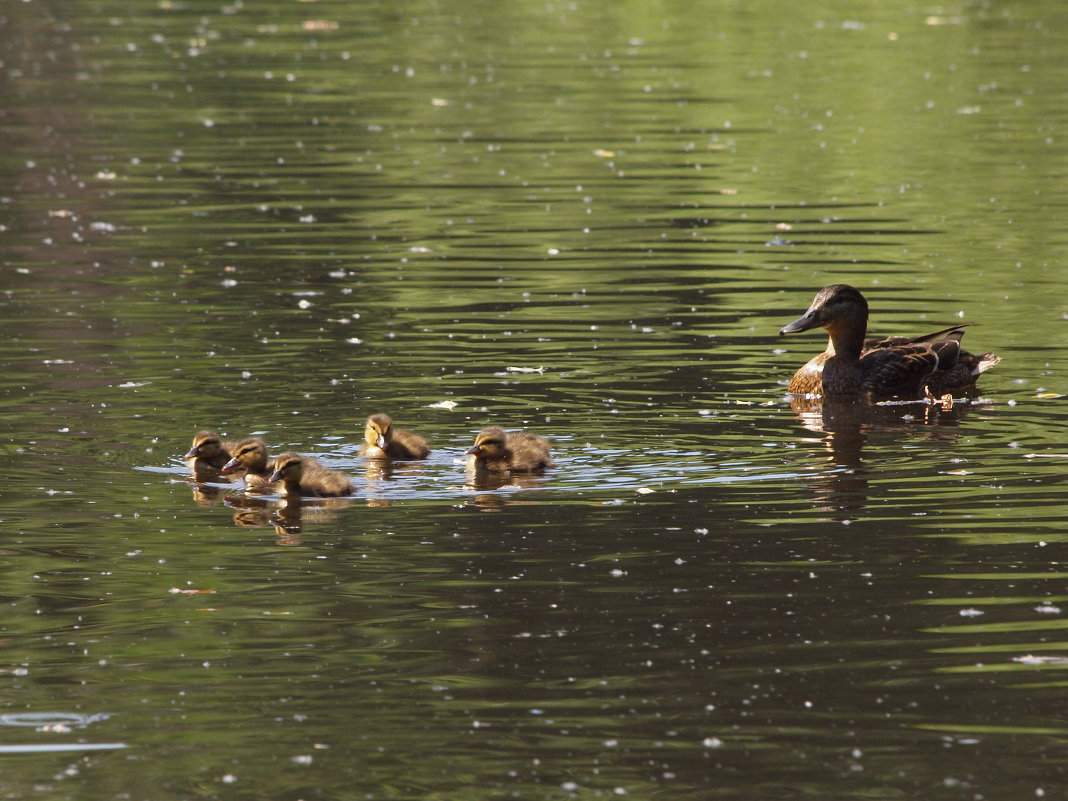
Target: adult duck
{"x": 932, "y": 364}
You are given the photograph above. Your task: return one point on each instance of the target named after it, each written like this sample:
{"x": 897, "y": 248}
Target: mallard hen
{"x": 932, "y": 364}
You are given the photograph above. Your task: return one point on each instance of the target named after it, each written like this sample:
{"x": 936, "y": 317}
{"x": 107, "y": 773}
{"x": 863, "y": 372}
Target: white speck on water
{"x": 971, "y": 612}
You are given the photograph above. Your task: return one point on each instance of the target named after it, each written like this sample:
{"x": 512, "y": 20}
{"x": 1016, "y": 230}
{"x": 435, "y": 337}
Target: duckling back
{"x": 304, "y": 476}
{"x": 498, "y": 451}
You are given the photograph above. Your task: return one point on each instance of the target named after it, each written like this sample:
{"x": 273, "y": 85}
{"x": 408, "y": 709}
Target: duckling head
{"x": 378, "y": 430}
{"x": 248, "y": 454}
{"x": 206, "y": 445}
{"x": 491, "y": 443}
{"x": 289, "y": 467}
{"x": 839, "y": 305}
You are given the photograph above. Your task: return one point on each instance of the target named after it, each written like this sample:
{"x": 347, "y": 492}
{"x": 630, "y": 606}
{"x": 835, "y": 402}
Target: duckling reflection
{"x": 306, "y": 477}
{"x": 293, "y": 511}
{"x": 383, "y": 441}
{"x": 249, "y": 512}
{"x": 250, "y": 456}
{"x": 846, "y": 426}
{"x": 488, "y": 486}
{"x": 379, "y": 473}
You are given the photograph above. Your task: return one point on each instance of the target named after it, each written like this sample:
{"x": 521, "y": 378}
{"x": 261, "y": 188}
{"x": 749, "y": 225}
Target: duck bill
{"x": 230, "y": 466}
{"x": 381, "y": 441}
{"x": 804, "y": 323}
{"x": 474, "y": 450}
{"x": 275, "y": 476}
{"x": 193, "y": 454}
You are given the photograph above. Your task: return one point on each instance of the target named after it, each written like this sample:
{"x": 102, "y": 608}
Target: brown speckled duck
{"x": 383, "y": 441}
{"x": 209, "y": 452}
{"x": 498, "y": 451}
{"x": 933, "y": 364}
{"x": 251, "y": 456}
{"x": 305, "y": 477}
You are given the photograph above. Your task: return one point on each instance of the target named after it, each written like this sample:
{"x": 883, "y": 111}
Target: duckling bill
{"x": 877, "y": 368}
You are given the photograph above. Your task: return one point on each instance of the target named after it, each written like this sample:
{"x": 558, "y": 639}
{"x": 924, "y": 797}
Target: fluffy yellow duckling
{"x": 498, "y": 451}
{"x": 304, "y": 476}
{"x": 383, "y": 441}
{"x": 251, "y": 456}
{"x": 208, "y": 451}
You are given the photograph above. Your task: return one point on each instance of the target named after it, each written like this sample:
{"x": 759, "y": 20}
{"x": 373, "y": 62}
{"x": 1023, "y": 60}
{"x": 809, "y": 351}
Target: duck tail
{"x": 985, "y": 362}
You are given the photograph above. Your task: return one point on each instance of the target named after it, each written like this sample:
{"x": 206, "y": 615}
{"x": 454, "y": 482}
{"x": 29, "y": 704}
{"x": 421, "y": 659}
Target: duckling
{"x": 304, "y": 476}
{"x": 383, "y": 441}
{"x": 498, "y": 451}
{"x": 873, "y": 368}
{"x": 250, "y": 455}
{"x": 208, "y": 451}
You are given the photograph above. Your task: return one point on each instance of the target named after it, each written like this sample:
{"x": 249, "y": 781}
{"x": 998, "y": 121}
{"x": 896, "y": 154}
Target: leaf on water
{"x": 525, "y": 369}
{"x": 445, "y": 404}
{"x": 1047, "y": 395}
{"x": 319, "y": 25}
{"x": 644, "y": 491}
{"x": 604, "y": 154}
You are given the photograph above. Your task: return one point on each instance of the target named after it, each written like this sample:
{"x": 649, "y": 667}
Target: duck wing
{"x": 953, "y": 332}
{"x": 899, "y": 369}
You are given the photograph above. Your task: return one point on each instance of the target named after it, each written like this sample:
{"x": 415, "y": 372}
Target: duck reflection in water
{"x": 488, "y": 488}
{"x": 378, "y": 473}
{"x": 840, "y": 488}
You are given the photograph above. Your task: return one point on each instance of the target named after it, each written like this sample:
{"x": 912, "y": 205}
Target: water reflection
{"x": 491, "y": 490}
{"x": 847, "y": 425}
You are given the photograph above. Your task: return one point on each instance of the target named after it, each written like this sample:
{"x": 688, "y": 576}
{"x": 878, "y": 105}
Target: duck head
{"x": 835, "y": 307}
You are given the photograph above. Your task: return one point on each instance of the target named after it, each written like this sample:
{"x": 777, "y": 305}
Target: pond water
{"x": 585, "y": 219}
